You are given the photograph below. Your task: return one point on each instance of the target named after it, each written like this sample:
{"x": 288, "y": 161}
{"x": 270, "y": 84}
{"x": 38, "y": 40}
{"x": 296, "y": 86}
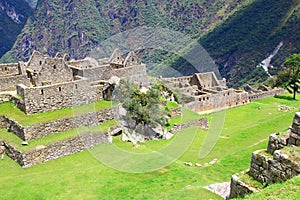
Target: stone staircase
{"x": 280, "y": 162}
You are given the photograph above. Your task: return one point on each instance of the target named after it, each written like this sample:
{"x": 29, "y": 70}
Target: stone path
{"x": 222, "y": 189}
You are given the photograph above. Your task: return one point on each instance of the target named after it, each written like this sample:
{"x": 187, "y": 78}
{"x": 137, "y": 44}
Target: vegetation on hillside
{"x": 76, "y": 28}
{"x": 13, "y": 16}
{"x": 249, "y": 36}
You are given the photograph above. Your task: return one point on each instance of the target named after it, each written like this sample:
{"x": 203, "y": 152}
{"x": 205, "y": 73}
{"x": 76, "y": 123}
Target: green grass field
{"x": 82, "y": 176}
{"x": 8, "y": 109}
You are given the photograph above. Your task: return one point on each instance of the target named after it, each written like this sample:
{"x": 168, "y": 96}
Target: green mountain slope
{"x": 251, "y": 35}
{"x": 238, "y": 34}
{"x": 78, "y": 26}
{"x": 13, "y": 16}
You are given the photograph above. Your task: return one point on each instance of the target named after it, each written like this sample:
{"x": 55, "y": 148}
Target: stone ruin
{"x": 44, "y": 83}
{"x": 204, "y": 92}
{"x": 50, "y": 83}
{"x": 279, "y": 163}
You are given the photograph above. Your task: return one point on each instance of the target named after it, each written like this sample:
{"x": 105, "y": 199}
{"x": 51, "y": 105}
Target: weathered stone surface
{"x": 56, "y": 150}
{"x": 48, "y": 128}
{"x": 277, "y": 141}
{"x": 238, "y": 188}
{"x": 222, "y": 189}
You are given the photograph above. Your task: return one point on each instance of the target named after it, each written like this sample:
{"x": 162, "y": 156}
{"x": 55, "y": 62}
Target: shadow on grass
{"x": 285, "y": 97}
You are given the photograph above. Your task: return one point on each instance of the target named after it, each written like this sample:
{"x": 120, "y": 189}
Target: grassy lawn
{"x": 8, "y": 109}
{"x": 82, "y": 176}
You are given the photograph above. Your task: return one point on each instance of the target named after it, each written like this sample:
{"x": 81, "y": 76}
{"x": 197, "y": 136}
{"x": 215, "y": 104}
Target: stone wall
{"x": 9, "y": 69}
{"x": 4, "y": 98}
{"x": 56, "y": 150}
{"x": 221, "y": 99}
{"x": 134, "y": 73}
{"x": 53, "y": 71}
{"x": 48, "y": 128}
{"x": 239, "y": 188}
{"x": 58, "y": 96}
{"x": 279, "y": 163}
{"x": 277, "y": 141}
{"x": 201, "y": 123}
{"x": 95, "y": 73}
{"x": 8, "y": 83}
{"x": 268, "y": 169}
{"x": 295, "y": 131}
{"x": 266, "y": 94}
{"x": 176, "y": 112}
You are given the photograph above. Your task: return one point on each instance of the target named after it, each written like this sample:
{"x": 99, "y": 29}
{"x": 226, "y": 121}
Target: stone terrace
{"x": 279, "y": 163}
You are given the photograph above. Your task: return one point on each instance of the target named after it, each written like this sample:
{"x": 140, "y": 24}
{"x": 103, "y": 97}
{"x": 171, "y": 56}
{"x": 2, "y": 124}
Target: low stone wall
{"x": 9, "y": 83}
{"x": 266, "y": 169}
{"x": 217, "y": 100}
{"x": 4, "y": 98}
{"x": 266, "y": 94}
{"x": 60, "y": 125}
{"x": 56, "y": 150}
{"x": 3, "y": 122}
{"x": 176, "y": 112}
{"x": 277, "y": 141}
{"x": 295, "y": 131}
{"x": 9, "y": 69}
{"x": 239, "y": 188}
{"x": 65, "y": 124}
{"x": 279, "y": 163}
{"x": 201, "y": 123}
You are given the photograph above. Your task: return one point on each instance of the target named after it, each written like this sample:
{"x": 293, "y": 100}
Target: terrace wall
{"x": 266, "y": 94}
{"x": 48, "y": 128}
{"x": 56, "y": 150}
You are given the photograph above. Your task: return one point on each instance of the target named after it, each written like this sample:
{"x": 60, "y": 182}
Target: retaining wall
{"x": 56, "y": 150}
{"x": 48, "y": 128}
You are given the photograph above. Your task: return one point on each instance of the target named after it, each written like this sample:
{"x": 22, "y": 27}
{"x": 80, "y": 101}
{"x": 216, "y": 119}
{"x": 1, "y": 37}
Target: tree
{"x": 289, "y": 77}
{"x": 143, "y": 107}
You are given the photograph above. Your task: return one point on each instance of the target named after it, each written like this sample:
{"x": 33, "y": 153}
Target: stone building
{"x": 45, "y": 83}
{"x": 203, "y": 92}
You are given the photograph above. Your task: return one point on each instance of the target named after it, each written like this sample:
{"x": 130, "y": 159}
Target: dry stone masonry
{"x": 279, "y": 163}
{"x": 45, "y": 84}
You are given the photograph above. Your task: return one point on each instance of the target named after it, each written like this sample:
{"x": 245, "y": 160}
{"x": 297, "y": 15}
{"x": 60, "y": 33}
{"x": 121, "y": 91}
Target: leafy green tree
{"x": 143, "y": 107}
{"x": 289, "y": 77}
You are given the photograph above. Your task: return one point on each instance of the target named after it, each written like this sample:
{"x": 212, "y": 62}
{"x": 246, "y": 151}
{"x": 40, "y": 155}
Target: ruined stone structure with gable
{"x": 51, "y": 83}
{"x": 204, "y": 92}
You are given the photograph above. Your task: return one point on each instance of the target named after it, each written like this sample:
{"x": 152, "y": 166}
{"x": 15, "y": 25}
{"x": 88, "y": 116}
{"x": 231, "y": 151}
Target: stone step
{"x": 243, "y": 184}
{"x": 281, "y": 166}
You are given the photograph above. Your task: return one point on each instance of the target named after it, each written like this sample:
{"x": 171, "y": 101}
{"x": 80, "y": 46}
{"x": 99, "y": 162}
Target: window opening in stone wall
{"x": 5, "y": 68}
{"x": 76, "y": 86}
{"x": 40, "y": 62}
{"x": 59, "y": 89}
{"x": 54, "y": 66}
{"x": 41, "y": 91}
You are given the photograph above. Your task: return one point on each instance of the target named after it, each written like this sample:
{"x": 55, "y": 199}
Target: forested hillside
{"x": 238, "y": 34}
{"x": 13, "y": 16}
{"x": 77, "y": 26}
{"x": 251, "y": 35}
